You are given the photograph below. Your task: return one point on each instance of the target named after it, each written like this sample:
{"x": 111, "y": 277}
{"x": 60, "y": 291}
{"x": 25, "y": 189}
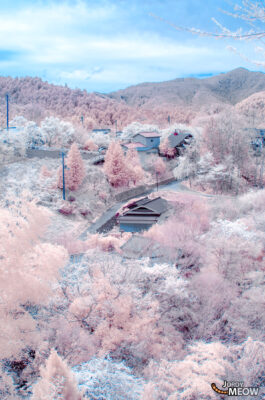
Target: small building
{"x": 103, "y": 130}
{"x": 142, "y": 214}
{"x": 258, "y": 141}
{"x": 149, "y": 140}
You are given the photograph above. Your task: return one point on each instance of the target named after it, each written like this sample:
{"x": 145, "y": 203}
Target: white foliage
{"x": 19, "y": 121}
{"x": 108, "y": 380}
{"x": 57, "y": 132}
{"x": 230, "y": 228}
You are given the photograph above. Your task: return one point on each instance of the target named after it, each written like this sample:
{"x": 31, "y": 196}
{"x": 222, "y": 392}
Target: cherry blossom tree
{"x": 135, "y": 171}
{"x": 29, "y": 274}
{"x": 191, "y": 377}
{"x": 166, "y": 149}
{"x": 57, "y": 381}
{"x": 159, "y": 167}
{"x": 90, "y": 145}
{"x": 75, "y": 172}
{"x": 115, "y": 166}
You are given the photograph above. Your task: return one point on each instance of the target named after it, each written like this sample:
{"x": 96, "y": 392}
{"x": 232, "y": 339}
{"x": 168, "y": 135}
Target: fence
{"x": 140, "y": 190}
{"x": 55, "y": 153}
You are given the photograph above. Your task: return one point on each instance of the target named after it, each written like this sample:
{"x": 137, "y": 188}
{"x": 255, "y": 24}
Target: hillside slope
{"x": 231, "y": 87}
{"x": 182, "y": 99}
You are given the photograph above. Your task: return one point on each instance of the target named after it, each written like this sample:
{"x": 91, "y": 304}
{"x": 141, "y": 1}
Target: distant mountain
{"x": 231, "y": 88}
{"x": 182, "y": 99}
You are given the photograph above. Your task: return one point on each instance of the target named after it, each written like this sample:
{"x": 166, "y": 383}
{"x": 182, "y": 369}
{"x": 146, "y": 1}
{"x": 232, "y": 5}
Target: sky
{"x": 106, "y": 45}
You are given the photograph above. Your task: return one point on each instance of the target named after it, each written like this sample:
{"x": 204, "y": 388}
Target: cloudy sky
{"x": 106, "y": 45}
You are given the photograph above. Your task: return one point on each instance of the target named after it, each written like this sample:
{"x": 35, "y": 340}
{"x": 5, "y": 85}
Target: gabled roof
{"x": 148, "y": 134}
{"x": 176, "y": 140}
{"x": 147, "y": 207}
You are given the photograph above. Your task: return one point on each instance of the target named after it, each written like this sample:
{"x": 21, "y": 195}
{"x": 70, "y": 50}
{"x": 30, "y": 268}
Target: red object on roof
{"x": 175, "y": 133}
{"x": 149, "y": 134}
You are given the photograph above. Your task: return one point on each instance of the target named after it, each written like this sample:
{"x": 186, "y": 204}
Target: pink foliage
{"x": 28, "y": 270}
{"x": 122, "y": 170}
{"x": 45, "y": 172}
{"x": 90, "y": 145}
{"x": 179, "y": 234}
{"x": 135, "y": 171}
{"x": 166, "y": 149}
{"x": 56, "y": 382}
{"x": 115, "y": 165}
{"x": 160, "y": 167}
{"x": 73, "y": 245}
{"x": 116, "y": 320}
{"x": 66, "y": 209}
{"x": 75, "y": 170}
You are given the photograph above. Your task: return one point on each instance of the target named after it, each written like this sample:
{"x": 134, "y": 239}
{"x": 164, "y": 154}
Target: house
{"x": 258, "y": 141}
{"x": 144, "y": 143}
{"x": 142, "y": 214}
{"x": 149, "y": 140}
{"x": 104, "y": 130}
{"x": 178, "y": 140}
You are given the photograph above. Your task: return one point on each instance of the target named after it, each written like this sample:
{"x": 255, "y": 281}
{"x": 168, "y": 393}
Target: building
{"x": 258, "y": 141}
{"x": 178, "y": 140}
{"x": 142, "y": 214}
{"x": 148, "y": 140}
{"x": 144, "y": 143}
{"x": 104, "y": 130}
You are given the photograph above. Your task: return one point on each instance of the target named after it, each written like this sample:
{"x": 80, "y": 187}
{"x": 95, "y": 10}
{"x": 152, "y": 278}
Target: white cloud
{"x": 84, "y": 43}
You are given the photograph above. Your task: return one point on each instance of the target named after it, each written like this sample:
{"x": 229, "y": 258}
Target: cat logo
{"x": 236, "y": 389}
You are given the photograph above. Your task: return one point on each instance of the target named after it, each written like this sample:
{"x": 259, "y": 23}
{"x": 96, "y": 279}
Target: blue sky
{"x": 107, "y": 45}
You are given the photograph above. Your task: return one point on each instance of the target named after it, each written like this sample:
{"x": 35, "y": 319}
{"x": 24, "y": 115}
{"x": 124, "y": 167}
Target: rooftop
{"x": 175, "y": 140}
{"x": 148, "y": 134}
{"x": 157, "y": 205}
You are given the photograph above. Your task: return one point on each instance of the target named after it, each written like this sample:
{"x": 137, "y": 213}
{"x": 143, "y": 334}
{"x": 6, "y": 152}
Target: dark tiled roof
{"x": 157, "y": 205}
{"x": 146, "y": 208}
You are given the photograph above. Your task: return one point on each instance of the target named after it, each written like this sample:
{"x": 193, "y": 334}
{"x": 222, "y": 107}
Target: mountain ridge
{"x": 182, "y": 99}
{"x": 230, "y": 87}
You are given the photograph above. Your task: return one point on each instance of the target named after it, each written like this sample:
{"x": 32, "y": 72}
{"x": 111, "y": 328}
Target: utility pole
{"x": 262, "y": 148}
{"x": 82, "y": 120}
{"x": 64, "y": 167}
{"x": 63, "y": 175}
{"x": 168, "y": 120}
{"x": 7, "y": 113}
